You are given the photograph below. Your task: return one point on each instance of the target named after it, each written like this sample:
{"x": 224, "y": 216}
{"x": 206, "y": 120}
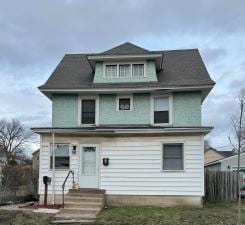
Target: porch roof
{"x": 110, "y": 130}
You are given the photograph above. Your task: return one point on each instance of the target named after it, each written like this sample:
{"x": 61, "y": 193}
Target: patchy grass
{"x": 8, "y": 217}
{"x": 210, "y": 214}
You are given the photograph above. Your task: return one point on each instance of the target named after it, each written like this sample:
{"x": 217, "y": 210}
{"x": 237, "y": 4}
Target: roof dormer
{"x": 126, "y": 63}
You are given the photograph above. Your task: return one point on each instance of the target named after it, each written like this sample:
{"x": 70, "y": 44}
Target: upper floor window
{"x": 161, "y": 110}
{"x": 88, "y": 111}
{"x": 124, "y": 70}
{"x": 111, "y": 71}
{"x": 125, "y": 103}
{"x": 138, "y": 70}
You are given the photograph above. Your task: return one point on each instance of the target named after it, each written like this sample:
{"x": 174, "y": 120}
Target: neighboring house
{"x": 128, "y": 121}
{"x": 211, "y": 155}
{"x": 3, "y": 160}
{"x": 35, "y": 159}
{"x": 227, "y": 164}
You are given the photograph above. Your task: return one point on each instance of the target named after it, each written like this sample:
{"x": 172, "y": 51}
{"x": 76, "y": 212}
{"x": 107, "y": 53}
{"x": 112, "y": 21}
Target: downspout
{"x": 53, "y": 169}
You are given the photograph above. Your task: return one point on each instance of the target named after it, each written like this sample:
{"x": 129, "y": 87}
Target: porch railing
{"x": 64, "y": 183}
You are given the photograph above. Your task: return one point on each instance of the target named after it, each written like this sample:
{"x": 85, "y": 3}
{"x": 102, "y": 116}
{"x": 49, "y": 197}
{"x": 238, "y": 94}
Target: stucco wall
{"x": 187, "y": 109}
{"x": 139, "y": 115}
{"x": 64, "y": 110}
{"x": 150, "y": 74}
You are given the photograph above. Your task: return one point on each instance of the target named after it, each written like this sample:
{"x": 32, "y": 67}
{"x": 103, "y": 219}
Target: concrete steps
{"x": 81, "y": 207}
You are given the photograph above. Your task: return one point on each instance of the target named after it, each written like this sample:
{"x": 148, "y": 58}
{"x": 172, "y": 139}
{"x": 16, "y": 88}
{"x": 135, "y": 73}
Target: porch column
{"x": 53, "y": 169}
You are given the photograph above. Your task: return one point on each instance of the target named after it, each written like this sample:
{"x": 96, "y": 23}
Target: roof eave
{"x": 116, "y": 131}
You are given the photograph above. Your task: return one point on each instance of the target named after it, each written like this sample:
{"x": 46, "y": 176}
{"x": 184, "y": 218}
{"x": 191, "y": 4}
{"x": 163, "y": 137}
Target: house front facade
{"x": 128, "y": 121}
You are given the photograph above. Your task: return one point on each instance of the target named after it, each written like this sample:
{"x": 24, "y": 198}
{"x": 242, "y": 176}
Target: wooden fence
{"x": 221, "y": 185}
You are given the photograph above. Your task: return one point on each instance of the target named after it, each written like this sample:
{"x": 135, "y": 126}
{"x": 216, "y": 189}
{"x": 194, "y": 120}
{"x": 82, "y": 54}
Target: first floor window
{"x": 88, "y": 111}
{"x": 173, "y": 157}
{"x": 62, "y": 156}
{"x": 161, "y": 110}
{"x": 111, "y": 71}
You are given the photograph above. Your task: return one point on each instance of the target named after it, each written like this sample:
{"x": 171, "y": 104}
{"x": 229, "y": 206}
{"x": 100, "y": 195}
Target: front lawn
{"x": 211, "y": 214}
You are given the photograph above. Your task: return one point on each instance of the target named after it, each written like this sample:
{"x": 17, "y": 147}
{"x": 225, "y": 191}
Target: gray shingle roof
{"x": 126, "y": 48}
{"x": 180, "y": 68}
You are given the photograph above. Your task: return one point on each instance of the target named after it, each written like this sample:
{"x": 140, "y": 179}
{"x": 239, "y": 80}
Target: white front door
{"x": 88, "y": 176}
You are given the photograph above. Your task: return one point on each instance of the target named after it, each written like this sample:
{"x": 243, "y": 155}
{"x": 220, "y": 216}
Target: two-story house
{"x": 127, "y": 121}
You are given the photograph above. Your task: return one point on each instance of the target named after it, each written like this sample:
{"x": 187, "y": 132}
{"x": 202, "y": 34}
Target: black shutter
{"x": 88, "y": 111}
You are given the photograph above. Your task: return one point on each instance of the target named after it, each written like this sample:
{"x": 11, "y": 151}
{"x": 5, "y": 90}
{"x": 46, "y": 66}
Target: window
{"x": 124, "y": 103}
{"x": 161, "y": 110}
{"x": 62, "y": 156}
{"x": 111, "y": 71}
{"x": 173, "y": 157}
{"x": 138, "y": 70}
{"x": 88, "y": 111}
{"x": 124, "y": 70}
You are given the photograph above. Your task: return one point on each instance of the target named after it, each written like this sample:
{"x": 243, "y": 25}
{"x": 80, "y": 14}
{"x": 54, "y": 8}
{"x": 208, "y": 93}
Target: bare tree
{"x": 238, "y": 123}
{"x": 13, "y": 138}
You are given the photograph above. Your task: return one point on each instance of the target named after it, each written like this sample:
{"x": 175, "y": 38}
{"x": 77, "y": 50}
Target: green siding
{"x": 186, "y": 109}
{"x": 65, "y": 110}
{"x": 150, "y": 74}
{"x": 139, "y": 115}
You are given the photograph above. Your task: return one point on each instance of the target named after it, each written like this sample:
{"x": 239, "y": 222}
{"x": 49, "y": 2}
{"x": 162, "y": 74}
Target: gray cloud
{"x": 36, "y": 34}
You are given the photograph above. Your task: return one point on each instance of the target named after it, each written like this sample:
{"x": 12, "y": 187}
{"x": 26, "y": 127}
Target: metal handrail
{"x": 63, "y": 185}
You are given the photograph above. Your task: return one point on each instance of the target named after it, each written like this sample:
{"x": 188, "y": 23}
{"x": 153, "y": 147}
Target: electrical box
{"x": 105, "y": 161}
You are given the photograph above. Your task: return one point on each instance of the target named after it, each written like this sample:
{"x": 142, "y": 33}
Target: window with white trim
{"x": 62, "y": 156}
{"x": 173, "y": 156}
{"x": 161, "y": 110}
{"x": 124, "y": 70}
{"x": 88, "y": 107}
{"x": 124, "y": 103}
{"x": 111, "y": 71}
{"x": 138, "y": 70}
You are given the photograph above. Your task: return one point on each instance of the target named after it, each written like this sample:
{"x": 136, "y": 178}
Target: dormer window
{"x": 138, "y": 70}
{"x": 111, "y": 71}
{"x": 124, "y": 70}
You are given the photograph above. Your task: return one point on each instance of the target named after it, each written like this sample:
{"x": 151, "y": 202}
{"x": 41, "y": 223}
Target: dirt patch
{"x": 34, "y": 206}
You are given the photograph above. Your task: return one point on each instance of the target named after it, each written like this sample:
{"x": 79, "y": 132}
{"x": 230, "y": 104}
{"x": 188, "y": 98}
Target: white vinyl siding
{"x": 135, "y": 165}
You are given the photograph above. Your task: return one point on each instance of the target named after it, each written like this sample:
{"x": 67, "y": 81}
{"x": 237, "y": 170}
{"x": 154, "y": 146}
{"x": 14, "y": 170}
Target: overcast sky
{"x": 35, "y": 35}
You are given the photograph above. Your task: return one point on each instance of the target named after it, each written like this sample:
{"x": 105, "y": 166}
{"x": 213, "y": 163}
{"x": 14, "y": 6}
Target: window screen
{"x": 124, "y": 103}
{"x": 62, "y": 156}
{"x": 138, "y": 70}
{"x": 161, "y": 110}
{"x": 111, "y": 71}
{"x": 173, "y": 157}
{"x": 88, "y": 111}
{"x": 124, "y": 70}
